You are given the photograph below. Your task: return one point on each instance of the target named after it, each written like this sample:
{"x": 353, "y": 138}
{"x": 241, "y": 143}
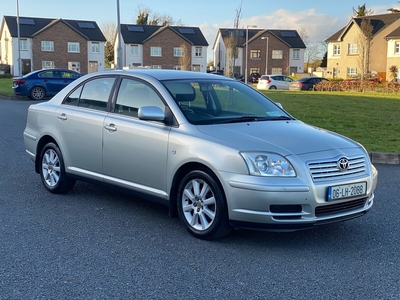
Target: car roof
{"x": 163, "y": 74}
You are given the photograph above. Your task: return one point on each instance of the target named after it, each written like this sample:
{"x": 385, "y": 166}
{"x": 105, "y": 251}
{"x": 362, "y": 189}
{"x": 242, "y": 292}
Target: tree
{"x": 109, "y": 30}
{"x": 146, "y": 17}
{"x": 231, "y": 44}
{"x": 362, "y": 11}
{"x": 324, "y": 61}
{"x": 185, "y": 61}
{"x": 364, "y": 43}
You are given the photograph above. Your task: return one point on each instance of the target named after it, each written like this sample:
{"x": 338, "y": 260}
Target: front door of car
{"x": 81, "y": 122}
{"x": 134, "y": 150}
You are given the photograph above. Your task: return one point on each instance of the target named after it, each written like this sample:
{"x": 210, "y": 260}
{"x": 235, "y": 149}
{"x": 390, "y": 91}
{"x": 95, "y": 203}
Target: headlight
{"x": 267, "y": 164}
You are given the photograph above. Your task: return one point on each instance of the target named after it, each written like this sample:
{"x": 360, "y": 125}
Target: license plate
{"x": 347, "y": 191}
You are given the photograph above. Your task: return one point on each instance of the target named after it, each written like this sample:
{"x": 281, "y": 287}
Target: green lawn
{"x": 373, "y": 119}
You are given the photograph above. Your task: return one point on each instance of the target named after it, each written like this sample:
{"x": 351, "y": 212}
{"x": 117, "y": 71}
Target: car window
{"x": 287, "y": 78}
{"x": 46, "y": 74}
{"x": 93, "y": 94}
{"x": 66, "y": 74}
{"x": 205, "y": 102}
{"x": 133, "y": 94}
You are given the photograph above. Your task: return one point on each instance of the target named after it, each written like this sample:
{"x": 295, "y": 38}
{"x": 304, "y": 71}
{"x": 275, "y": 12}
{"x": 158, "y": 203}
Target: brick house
{"x": 161, "y": 47}
{"x": 51, "y": 43}
{"x": 268, "y": 51}
{"x": 345, "y": 47}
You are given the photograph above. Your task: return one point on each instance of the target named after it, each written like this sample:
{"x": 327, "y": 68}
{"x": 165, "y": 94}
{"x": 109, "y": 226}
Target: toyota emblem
{"x": 343, "y": 164}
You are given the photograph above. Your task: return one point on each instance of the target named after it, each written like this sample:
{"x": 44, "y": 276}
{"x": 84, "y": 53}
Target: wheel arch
{"x": 42, "y": 142}
{"x": 180, "y": 173}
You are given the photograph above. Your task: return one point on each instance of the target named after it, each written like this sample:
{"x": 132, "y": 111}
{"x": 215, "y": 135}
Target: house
{"x": 49, "y": 43}
{"x": 268, "y": 51}
{"x": 369, "y": 44}
{"x": 162, "y": 47}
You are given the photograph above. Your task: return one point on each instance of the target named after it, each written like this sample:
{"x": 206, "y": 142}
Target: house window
{"x": 74, "y": 65}
{"x": 47, "y": 46}
{"x": 277, "y": 54}
{"x": 155, "y": 51}
{"x": 397, "y": 48}
{"x": 23, "y": 44}
{"x": 255, "y": 54}
{"x": 254, "y": 70}
{"x": 178, "y": 51}
{"x": 198, "y": 52}
{"x": 351, "y": 71}
{"x": 196, "y": 68}
{"x": 73, "y": 47}
{"x": 46, "y": 64}
{"x": 353, "y": 48}
{"x": 156, "y": 67}
{"x": 296, "y": 53}
{"x": 336, "y": 49}
{"x": 276, "y": 71}
{"x": 95, "y": 47}
{"x": 134, "y": 50}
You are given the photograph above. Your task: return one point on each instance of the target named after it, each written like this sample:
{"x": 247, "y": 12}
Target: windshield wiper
{"x": 258, "y": 118}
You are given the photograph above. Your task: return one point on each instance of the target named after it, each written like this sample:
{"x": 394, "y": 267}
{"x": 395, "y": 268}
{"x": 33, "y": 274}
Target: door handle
{"x": 62, "y": 117}
{"x": 110, "y": 127}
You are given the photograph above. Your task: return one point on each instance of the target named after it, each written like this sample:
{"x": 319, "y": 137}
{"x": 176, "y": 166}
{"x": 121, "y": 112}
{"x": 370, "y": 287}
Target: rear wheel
{"x": 38, "y": 93}
{"x": 202, "y": 207}
{"x": 52, "y": 171}
{"x": 272, "y": 87}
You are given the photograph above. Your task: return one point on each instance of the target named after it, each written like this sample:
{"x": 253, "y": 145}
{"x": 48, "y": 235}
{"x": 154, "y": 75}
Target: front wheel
{"x": 202, "y": 207}
{"x": 52, "y": 171}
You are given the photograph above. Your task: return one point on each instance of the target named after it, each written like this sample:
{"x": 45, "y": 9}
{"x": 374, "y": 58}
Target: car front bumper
{"x": 290, "y": 204}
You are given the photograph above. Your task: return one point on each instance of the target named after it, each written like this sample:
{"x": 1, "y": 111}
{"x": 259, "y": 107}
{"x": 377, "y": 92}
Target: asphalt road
{"x": 95, "y": 243}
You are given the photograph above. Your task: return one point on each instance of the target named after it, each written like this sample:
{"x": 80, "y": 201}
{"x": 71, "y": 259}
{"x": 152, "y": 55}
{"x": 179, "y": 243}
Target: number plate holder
{"x": 343, "y": 191}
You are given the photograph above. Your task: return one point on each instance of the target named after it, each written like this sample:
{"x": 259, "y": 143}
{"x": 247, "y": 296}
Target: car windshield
{"x": 222, "y": 101}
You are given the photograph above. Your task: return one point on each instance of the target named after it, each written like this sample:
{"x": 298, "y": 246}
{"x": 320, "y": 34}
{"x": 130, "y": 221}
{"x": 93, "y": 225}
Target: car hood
{"x": 284, "y": 137}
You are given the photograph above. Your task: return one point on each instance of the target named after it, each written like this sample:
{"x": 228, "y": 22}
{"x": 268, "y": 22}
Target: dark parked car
{"x": 305, "y": 83}
{"x": 254, "y": 77}
{"x": 43, "y": 83}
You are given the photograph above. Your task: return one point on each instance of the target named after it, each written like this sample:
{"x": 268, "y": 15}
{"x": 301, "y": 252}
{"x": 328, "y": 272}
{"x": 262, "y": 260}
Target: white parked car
{"x": 220, "y": 154}
{"x": 274, "y": 82}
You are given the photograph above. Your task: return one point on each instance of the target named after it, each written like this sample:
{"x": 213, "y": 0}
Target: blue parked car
{"x": 43, "y": 83}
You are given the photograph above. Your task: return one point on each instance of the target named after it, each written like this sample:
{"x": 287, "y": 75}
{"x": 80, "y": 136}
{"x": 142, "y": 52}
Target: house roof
{"x": 289, "y": 37}
{"x": 30, "y": 26}
{"x": 138, "y": 34}
{"x": 378, "y": 22}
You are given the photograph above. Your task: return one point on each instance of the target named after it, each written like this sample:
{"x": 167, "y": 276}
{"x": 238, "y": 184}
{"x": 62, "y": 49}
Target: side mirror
{"x": 279, "y": 104}
{"x": 151, "y": 113}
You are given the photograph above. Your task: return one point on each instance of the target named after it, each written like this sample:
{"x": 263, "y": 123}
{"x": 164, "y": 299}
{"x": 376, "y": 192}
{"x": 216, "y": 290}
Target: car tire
{"x": 38, "y": 93}
{"x": 272, "y": 87}
{"x": 202, "y": 206}
{"x": 52, "y": 170}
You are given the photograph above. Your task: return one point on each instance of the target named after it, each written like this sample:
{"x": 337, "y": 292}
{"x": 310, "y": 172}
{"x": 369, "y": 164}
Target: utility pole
{"x": 119, "y": 49}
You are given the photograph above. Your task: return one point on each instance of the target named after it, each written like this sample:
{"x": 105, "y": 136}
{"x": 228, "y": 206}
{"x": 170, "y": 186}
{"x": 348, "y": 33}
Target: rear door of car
{"x": 135, "y": 150}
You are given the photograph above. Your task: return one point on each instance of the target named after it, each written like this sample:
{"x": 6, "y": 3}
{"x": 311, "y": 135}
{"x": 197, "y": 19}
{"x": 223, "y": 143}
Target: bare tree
{"x": 109, "y": 30}
{"x": 185, "y": 61}
{"x": 147, "y": 17}
{"x": 231, "y": 44}
{"x": 364, "y": 43}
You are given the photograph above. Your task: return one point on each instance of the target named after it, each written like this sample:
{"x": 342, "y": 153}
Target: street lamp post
{"x": 19, "y": 44}
{"x": 119, "y": 49}
{"x": 266, "y": 54}
{"x": 247, "y": 39}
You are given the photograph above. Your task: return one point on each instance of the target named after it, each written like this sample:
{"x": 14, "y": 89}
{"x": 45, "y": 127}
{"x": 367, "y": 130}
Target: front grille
{"x": 325, "y": 210}
{"x": 329, "y": 170}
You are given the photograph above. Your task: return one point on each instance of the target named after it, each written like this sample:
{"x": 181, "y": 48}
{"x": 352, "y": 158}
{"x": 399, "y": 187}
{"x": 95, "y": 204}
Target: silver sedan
{"x": 217, "y": 152}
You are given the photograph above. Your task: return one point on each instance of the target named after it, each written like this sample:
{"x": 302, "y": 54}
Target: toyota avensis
{"x": 217, "y": 152}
